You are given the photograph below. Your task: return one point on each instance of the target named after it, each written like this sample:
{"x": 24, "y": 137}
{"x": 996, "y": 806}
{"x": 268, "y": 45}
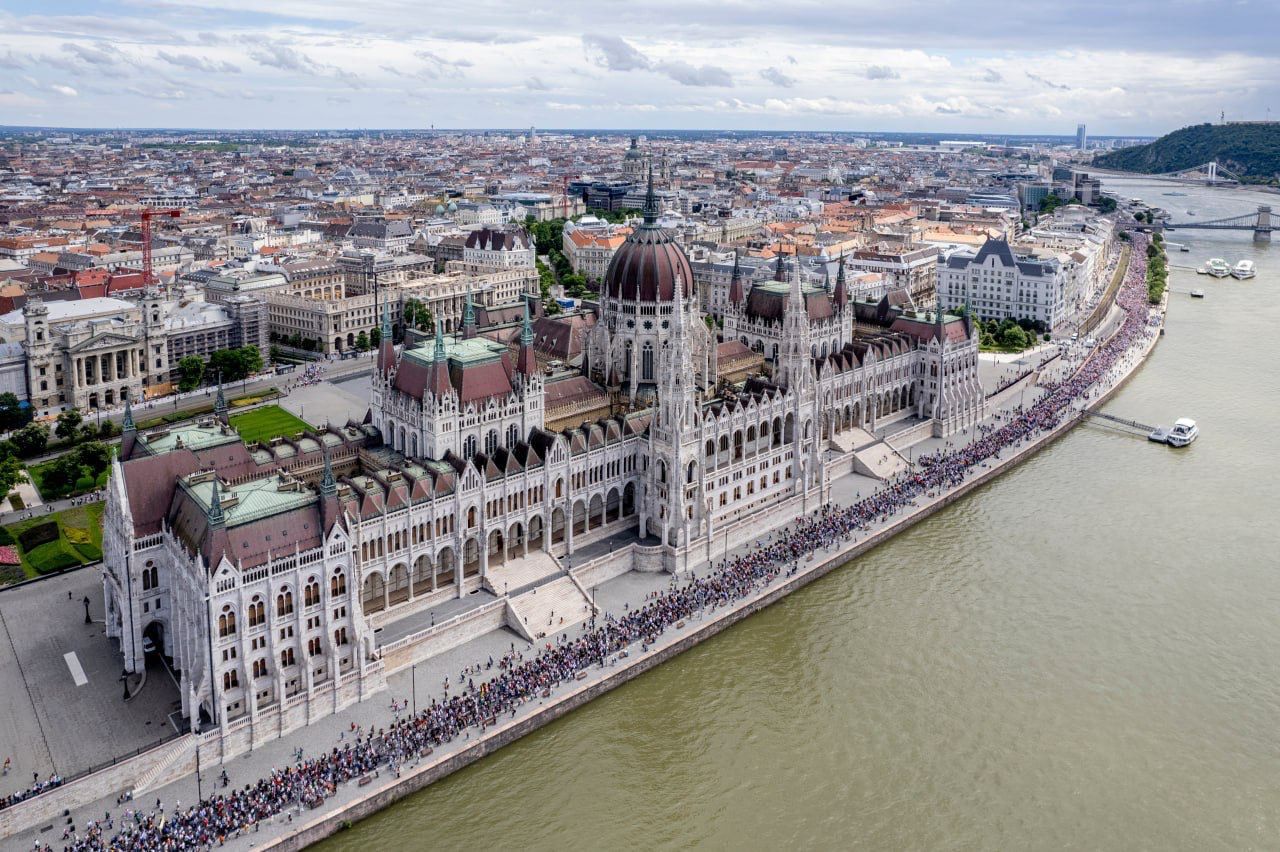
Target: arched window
{"x": 491, "y": 442}
{"x": 257, "y": 611}
{"x": 227, "y": 622}
{"x": 284, "y": 603}
{"x": 338, "y": 585}
{"x": 513, "y": 435}
{"x": 311, "y": 594}
{"x": 340, "y": 636}
{"x": 469, "y": 447}
{"x": 693, "y": 469}
{"x": 230, "y": 680}
{"x": 646, "y": 362}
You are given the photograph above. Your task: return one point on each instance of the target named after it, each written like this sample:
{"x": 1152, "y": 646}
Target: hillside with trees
{"x": 1249, "y": 151}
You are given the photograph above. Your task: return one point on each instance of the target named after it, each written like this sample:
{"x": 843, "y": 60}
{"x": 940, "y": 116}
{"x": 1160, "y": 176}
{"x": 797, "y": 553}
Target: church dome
{"x": 646, "y": 266}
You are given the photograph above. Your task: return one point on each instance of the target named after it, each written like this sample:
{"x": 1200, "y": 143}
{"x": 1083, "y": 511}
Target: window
{"x": 491, "y": 442}
{"x": 340, "y": 636}
{"x": 286, "y": 658}
{"x": 230, "y": 680}
{"x": 284, "y": 603}
{"x": 646, "y": 362}
{"x": 227, "y": 622}
{"x": 338, "y": 585}
{"x": 260, "y": 668}
{"x": 257, "y": 612}
{"x": 313, "y": 647}
{"x": 311, "y": 594}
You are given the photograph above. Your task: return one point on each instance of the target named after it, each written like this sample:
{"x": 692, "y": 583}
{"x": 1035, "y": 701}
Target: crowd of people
{"x": 37, "y": 787}
{"x": 520, "y": 680}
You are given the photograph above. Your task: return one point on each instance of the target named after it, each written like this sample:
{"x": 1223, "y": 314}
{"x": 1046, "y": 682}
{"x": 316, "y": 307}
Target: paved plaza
{"x": 329, "y": 401}
{"x": 62, "y": 705}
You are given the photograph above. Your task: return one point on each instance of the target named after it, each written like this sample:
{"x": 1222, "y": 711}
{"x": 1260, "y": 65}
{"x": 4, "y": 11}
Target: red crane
{"x": 147, "y": 276}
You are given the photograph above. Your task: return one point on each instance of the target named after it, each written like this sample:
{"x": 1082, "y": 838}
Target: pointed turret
{"x": 328, "y": 485}
{"x": 330, "y": 509}
{"x": 216, "y": 517}
{"x": 650, "y": 210}
{"x": 736, "y": 296}
{"x": 469, "y": 318}
{"x": 438, "y": 379}
{"x": 128, "y": 431}
{"x": 842, "y": 292}
{"x": 779, "y": 270}
{"x": 220, "y": 402}
{"x": 526, "y": 363}
{"x": 386, "y": 342}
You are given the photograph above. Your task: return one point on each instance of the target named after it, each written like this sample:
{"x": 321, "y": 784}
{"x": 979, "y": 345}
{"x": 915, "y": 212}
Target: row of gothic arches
{"x": 404, "y": 582}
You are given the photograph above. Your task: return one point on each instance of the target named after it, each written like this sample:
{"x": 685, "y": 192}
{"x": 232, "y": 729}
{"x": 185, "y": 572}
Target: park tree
{"x": 13, "y": 414}
{"x": 31, "y": 439}
{"x": 375, "y": 337}
{"x": 68, "y": 428}
{"x": 10, "y": 474}
{"x": 362, "y": 342}
{"x": 190, "y": 371}
{"x": 62, "y": 475}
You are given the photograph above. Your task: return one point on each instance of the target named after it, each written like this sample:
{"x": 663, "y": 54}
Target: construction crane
{"x": 148, "y": 278}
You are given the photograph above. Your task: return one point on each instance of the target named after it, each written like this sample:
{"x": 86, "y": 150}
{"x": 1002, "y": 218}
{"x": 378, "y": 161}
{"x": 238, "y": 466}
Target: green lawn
{"x": 263, "y": 424}
{"x": 49, "y": 493}
{"x": 78, "y": 542}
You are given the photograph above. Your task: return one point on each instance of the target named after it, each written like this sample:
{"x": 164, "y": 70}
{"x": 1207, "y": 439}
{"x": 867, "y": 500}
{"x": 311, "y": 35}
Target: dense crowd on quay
{"x": 520, "y": 680}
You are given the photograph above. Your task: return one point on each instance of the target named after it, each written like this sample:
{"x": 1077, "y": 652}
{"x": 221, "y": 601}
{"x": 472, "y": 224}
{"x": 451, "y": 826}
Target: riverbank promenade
{"x": 464, "y": 703}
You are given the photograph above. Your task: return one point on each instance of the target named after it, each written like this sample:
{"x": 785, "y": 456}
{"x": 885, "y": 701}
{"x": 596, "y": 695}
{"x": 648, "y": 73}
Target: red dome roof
{"x": 645, "y": 267}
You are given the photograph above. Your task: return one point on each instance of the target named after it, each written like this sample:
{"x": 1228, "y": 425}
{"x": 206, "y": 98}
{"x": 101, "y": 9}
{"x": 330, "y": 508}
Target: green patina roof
{"x": 193, "y": 437}
{"x": 465, "y": 353}
{"x": 258, "y": 499}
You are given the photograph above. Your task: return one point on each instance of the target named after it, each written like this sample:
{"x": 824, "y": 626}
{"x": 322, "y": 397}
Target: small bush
{"x": 33, "y": 537}
{"x": 51, "y": 557}
{"x": 77, "y": 535}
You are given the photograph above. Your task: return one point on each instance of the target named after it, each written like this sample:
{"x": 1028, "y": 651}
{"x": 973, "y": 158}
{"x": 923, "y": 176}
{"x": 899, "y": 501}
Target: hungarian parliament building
{"x": 267, "y": 574}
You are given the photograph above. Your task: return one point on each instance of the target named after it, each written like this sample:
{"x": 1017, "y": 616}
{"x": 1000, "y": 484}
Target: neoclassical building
{"x": 271, "y": 575}
{"x": 90, "y": 353}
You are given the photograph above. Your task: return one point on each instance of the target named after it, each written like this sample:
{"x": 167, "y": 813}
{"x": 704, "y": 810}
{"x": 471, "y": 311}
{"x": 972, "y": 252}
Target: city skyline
{"x": 923, "y": 67}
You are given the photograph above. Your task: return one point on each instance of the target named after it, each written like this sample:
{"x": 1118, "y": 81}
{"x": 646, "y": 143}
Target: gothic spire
{"x": 127, "y": 424}
{"x": 526, "y": 363}
{"x": 220, "y": 401}
{"x": 328, "y": 485}
{"x": 842, "y": 293}
{"x": 216, "y": 518}
{"x": 650, "y": 202}
{"x": 386, "y": 319}
{"x": 469, "y": 317}
{"x": 736, "y": 295}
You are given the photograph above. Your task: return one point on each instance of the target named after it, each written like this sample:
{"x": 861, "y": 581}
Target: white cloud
{"x": 777, "y": 78}
{"x": 65, "y": 90}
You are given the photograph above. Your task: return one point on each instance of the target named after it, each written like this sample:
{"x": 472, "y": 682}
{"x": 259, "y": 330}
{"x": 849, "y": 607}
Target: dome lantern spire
{"x": 650, "y": 202}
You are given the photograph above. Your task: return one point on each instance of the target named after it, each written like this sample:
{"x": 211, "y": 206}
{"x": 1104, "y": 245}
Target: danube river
{"x": 1085, "y": 653}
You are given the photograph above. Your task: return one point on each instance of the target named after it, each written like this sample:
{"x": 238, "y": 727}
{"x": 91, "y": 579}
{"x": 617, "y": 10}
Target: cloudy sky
{"x": 1122, "y": 66}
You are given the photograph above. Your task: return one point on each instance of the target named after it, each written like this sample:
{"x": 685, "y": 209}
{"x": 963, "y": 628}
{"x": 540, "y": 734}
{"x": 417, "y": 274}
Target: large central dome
{"x": 646, "y": 266}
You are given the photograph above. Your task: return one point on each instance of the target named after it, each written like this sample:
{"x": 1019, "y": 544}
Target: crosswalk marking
{"x": 77, "y": 671}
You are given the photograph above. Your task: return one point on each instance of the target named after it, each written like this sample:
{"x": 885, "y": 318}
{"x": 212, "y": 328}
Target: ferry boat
{"x": 1184, "y": 431}
{"x": 1218, "y": 268}
{"x": 1244, "y": 269}
{"x": 1197, "y": 294}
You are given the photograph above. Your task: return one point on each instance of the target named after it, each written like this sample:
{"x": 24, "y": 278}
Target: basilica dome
{"x": 646, "y": 266}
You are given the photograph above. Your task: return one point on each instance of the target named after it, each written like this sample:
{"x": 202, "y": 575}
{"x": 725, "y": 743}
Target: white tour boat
{"x": 1244, "y": 269}
{"x": 1183, "y": 432}
{"x": 1218, "y": 268}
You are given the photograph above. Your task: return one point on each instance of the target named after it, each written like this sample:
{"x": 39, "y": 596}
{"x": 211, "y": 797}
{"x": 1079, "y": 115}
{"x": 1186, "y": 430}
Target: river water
{"x": 1085, "y": 653}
